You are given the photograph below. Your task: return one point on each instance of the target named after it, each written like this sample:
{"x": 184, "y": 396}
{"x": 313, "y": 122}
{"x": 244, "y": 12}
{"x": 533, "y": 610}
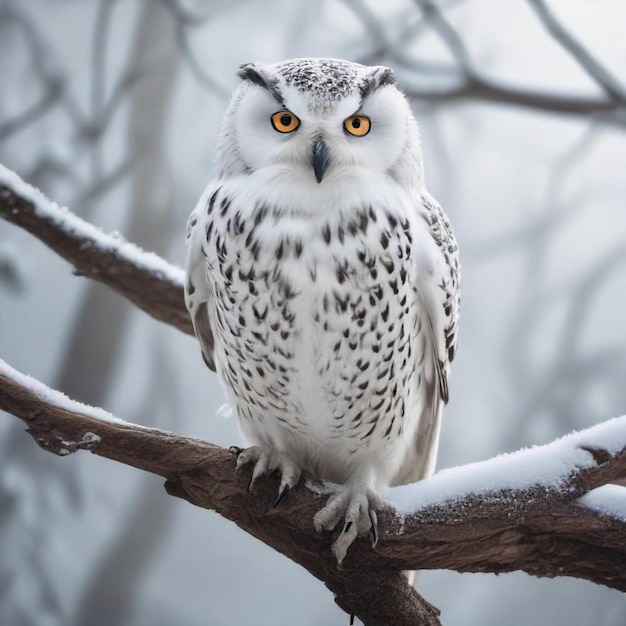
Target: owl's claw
{"x": 374, "y": 528}
{"x": 235, "y": 451}
{"x": 356, "y": 504}
{"x": 267, "y": 461}
{"x": 281, "y": 494}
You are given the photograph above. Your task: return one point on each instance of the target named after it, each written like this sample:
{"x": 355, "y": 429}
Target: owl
{"x": 323, "y": 285}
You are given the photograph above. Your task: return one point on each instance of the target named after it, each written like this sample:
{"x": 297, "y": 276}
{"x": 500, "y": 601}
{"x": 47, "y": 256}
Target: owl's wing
{"x": 439, "y": 301}
{"x": 198, "y": 293}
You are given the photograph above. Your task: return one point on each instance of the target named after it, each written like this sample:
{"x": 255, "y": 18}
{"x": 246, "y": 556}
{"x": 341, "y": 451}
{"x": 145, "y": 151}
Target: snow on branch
{"x": 549, "y": 467}
{"x": 540, "y": 510}
{"x": 144, "y": 278}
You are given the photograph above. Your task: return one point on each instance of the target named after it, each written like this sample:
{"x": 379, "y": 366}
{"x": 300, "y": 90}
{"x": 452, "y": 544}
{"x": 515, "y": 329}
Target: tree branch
{"x": 448, "y": 35}
{"x": 204, "y": 475}
{"x": 145, "y": 279}
{"x": 536, "y": 527}
{"x": 471, "y": 84}
{"x": 481, "y": 89}
{"x": 585, "y": 59}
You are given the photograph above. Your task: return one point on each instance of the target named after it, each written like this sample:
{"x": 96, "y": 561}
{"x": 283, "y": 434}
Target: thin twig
{"x": 583, "y": 56}
{"x": 449, "y": 36}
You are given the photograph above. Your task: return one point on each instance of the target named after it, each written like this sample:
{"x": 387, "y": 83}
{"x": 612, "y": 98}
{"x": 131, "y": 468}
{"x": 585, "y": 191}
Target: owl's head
{"x": 317, "y": 120}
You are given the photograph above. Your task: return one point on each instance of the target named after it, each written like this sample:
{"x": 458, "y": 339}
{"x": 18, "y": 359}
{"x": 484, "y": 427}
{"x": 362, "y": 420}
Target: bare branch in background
{"x": 98, "y": 76}
{"x": 11, "y": 277}
{"x": 39, "y": 57}
{"x": 484, "y": 90}
{"x": 50, "y": 166}
{"x": 396, "y": 47}
{"x": 186, "y": 17}
{"x": 557, "y": 383}
{"x": 448, "y": 35}
{"x": 43, "y": 60}
{"x": 185, "y": 20}
{"x": 31, "y": 114}
{"x": 583, "y": 56}
{"x": 106, "y": 182}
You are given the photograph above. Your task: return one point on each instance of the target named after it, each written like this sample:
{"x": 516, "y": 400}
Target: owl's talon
{"x": 343, "y": 542}
{"x": 356, "y": 504}
{"x": 261, "y": 467}
{"x": 281, "y": 494}
{"x": 267, "y": 461}
{"x": 373, "y": 533}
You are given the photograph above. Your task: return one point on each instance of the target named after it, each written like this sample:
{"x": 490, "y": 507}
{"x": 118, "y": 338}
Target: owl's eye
{"x": 285, "y": 122}
{"x": 357, "y": 125}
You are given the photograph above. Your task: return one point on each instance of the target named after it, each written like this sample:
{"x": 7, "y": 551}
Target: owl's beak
{"x": 320, "y": 159}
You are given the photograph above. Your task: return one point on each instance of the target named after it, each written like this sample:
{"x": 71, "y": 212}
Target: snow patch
{"x": 91, "y": 439}
{"x": 59, "y": 400}
{"x": 74, "y": 225}
{"x": 547, "y": 466}
{"x": 609, "y": 500}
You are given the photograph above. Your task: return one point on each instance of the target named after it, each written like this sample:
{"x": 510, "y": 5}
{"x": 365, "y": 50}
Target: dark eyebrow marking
{"x": 249, "y": 72}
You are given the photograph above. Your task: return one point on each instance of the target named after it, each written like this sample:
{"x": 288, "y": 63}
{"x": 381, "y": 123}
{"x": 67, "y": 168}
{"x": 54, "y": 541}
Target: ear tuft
{"x": 378, "y": 76}
{"x": 257, "y": 74}
{"x": 249, "y": 71}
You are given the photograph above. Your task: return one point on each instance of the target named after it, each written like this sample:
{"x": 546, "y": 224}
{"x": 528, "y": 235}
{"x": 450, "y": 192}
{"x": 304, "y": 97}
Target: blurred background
{"x": 112, "y": 108}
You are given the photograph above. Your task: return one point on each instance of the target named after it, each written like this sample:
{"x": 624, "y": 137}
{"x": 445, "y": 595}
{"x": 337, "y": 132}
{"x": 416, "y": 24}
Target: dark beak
{"x": 320, "y": 159}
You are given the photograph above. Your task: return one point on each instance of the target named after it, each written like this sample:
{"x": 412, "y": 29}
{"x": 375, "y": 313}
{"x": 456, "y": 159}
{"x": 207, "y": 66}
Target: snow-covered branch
{"x": 204, "y": 474}
{"x": 547, "y": 510}
{"x": 144, "y": 278}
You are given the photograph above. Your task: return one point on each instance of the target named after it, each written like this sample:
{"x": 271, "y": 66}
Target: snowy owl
{"x": 323, "y": 284}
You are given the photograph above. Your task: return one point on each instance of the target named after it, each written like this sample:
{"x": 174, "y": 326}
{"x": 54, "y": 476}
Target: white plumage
{"x": 323, "y": 283}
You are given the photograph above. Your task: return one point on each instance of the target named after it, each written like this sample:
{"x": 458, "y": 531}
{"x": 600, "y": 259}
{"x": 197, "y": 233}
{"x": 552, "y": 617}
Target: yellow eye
{"x": 357, "y": 125}
{"x": 285, "y": 122}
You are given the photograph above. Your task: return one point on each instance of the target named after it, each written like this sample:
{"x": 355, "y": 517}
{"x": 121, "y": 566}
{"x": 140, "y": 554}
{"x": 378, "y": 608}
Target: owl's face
{"x": 317, "y": 120}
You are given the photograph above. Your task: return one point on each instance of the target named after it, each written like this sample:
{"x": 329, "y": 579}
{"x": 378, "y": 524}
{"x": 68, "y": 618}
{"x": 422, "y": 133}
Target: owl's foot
{"x": 356, "y": 504}
{"x": 267, "y": 461}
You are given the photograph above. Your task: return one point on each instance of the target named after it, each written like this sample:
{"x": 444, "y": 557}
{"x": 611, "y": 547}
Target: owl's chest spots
{"x": 315, "y": 309}
{"x": 338, "y": 267}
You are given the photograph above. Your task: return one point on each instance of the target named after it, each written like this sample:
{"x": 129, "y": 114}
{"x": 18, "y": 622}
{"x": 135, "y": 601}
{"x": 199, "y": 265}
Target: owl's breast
{"x": 317, "y": 327}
